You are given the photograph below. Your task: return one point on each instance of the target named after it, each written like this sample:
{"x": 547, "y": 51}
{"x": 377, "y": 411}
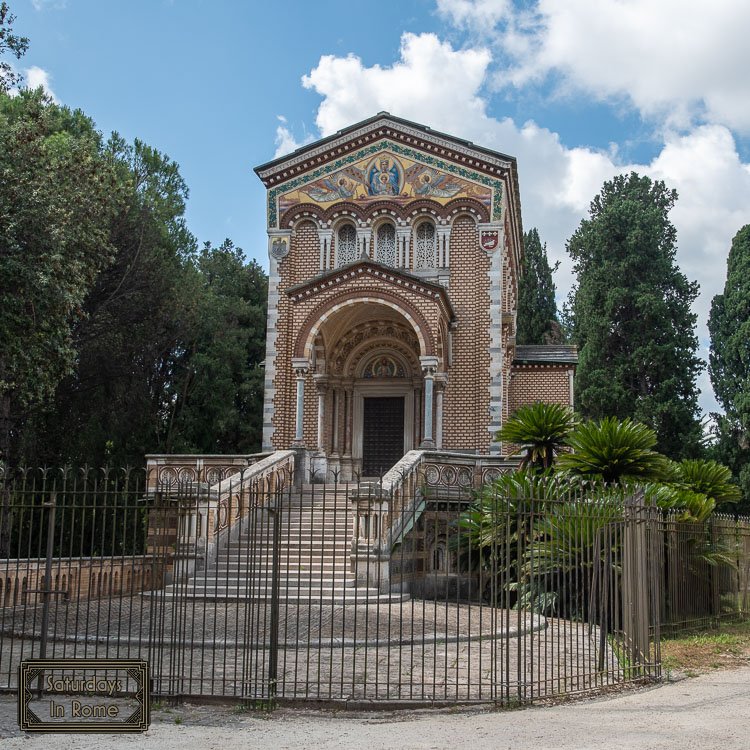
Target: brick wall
{"x": 544, "y": 383}
{"x": 466, "y": 403}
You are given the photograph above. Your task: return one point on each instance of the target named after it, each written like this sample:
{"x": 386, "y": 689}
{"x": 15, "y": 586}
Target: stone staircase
{"x": 314, "y": 563}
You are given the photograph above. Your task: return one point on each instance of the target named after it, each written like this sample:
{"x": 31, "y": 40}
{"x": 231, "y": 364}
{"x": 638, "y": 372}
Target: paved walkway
{"x": 708, "y": 712}
{"x": 414, "y": 650}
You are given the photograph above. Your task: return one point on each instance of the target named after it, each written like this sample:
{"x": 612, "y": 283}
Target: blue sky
{"x": 577, "y": 90}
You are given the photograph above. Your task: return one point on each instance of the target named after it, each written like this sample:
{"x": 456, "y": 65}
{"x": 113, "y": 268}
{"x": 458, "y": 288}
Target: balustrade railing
{"x": 385, "y": 511}
{"x": 210, "y": 497}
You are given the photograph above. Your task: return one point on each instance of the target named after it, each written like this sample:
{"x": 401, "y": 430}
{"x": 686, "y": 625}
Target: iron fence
{"x": 256, "y": 590}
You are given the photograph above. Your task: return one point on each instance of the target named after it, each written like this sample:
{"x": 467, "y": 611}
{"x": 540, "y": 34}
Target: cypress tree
{"x": 537, "y": 311}
{"x": 729, "y": 362}
{"x": 632, "y": 318}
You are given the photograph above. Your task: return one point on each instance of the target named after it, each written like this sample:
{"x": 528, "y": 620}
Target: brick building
{"x": 394, "y": 259}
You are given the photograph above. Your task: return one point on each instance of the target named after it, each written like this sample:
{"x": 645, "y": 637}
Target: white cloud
{"x": 679, "y": 61}
{"x": 431, "y": 82}
{"x": 285, "y": 140}
{"x": 439, "y": 86}
{"x": 40, "y": 5}
{"x": 475, "y": 14}
{"x": 36, "y": 77}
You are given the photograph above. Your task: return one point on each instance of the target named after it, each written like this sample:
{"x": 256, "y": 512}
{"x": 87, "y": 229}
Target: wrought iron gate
{"x": 260, "y": 591}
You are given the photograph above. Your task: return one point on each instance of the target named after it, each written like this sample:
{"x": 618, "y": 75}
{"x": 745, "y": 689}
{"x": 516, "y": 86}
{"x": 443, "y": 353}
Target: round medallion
{"x": 431, "y": 475}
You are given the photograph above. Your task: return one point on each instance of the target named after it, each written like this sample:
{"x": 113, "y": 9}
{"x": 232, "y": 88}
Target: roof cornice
{"x": 384, "y": 125}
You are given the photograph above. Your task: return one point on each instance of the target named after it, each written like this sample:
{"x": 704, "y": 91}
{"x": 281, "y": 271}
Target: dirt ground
{"x": 706, "y": 712}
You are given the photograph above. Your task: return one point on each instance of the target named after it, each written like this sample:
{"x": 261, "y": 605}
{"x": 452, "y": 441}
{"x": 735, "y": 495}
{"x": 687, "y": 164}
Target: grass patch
{"x": 726, "y": 647}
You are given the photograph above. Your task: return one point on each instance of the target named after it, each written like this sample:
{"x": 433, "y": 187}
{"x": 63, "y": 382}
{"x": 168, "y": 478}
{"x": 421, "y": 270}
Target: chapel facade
{"x": 395, "y": 253}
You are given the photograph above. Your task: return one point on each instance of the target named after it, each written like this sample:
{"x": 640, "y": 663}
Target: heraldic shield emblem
{"x": 489, "y": 239}
{"x": 279, "y": 248}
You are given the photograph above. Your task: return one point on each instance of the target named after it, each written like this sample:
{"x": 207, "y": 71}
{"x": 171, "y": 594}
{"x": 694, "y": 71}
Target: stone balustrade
{"x": 22, "y": 581}
{"x": 385, "y": 511}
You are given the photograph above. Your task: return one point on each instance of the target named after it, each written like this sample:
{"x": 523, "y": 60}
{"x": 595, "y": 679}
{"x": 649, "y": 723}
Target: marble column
{"x": 301, "y": 367}
{"x": 321, "y": 385}
{"x": 403, "y": 235}
{"x": 326, "y": 255}
{"x": 429, "y": 369}
{"x": 440, "y": 381}
{"x": 364, "y": 242}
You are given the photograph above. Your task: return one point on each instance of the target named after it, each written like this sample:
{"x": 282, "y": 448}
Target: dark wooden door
{"x": 382, "y": 434}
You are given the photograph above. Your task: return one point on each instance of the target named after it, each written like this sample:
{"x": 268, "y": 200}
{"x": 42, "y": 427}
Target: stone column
{"x": 301, "y": 367}
{"x": 326, "y": 259}
{"x": 321, "y": 385}
{"x": 403, "y": 234}
{"x": 429, "y": 368}
{"x": 364, "y": 237}
{"x": 347, "y": 469}
{"x": 348, "y": 419}
{"x": 443, "y": 245}
{"x": 335, "y": 409}
{"x": 440, "y": 380}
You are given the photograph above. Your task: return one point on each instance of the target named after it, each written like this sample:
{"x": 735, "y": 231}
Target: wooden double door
{"x": 382, "y": 433}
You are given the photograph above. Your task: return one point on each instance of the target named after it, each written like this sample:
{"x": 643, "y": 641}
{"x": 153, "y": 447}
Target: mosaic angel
{"x": 339, "y": 186}
{"x": 384, "y": 177}
{"x": 428, "y": 182}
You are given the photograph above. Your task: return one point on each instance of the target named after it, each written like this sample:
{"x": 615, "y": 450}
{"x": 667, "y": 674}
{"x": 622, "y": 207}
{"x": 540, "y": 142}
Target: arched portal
{"x": 368, "y": 373}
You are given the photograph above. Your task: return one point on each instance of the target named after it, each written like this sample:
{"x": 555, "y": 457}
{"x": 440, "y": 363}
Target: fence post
{"x": 635, "y": 583}
{"x": 273, "y": 651}
{"x": 51, "y": 504}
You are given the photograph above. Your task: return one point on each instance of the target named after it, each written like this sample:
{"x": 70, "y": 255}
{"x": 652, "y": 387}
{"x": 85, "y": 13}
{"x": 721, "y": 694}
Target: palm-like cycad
{"x": 613, "y": 451}
{"x": 700, "y": 486}
{"x": 539, "y": 430}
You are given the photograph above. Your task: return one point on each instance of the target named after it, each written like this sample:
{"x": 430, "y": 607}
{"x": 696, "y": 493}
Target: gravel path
{"x": 704, "y": 713}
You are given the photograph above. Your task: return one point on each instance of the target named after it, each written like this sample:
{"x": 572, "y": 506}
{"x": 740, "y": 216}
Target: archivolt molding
{"x": 367, "y": 337}
{"x": 345, "y": 209}
{"x": 466, "y": 206}
{"x": 362, "y": 356}
{"x": 317, "y": 318}
{"x": 400, "y": 214}
{"x": 305, "y": 211}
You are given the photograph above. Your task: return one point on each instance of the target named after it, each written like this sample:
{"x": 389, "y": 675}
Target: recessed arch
{"x": 344, "y": 209}
{"x": 465, "y": 206}
{"x": 384, "y": 242}
{"x": 297, "y": 214}
{"x": 318, "y": 317}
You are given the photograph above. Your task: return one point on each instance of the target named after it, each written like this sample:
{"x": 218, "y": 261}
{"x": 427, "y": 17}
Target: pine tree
{"x": 729, "y": 361}
{"x": 632, "y": 318}
{"x": 537, "y": 312}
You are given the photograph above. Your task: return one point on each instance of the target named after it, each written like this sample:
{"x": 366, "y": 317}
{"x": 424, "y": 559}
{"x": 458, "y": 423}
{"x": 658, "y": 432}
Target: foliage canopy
{"x": 729, "y": 361}
{"x": 537, "y": 310}
{"x": 631, "y": 312}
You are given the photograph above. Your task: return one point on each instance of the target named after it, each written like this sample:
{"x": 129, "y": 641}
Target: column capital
{"x": 429, "y": 366}
{"x": 301, "y": 366}
{"x": 321, "y": 381}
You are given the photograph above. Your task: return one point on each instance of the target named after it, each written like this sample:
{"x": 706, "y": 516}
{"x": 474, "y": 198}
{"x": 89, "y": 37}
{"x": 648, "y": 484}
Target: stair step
{"x": 338, "y": 578}
{"x": 362, "y": 596}
{"x": 313, "y": 557}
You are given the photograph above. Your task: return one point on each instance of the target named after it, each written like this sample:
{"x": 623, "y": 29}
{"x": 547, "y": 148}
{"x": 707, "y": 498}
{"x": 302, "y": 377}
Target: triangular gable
{"x": 418, "y": 163}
